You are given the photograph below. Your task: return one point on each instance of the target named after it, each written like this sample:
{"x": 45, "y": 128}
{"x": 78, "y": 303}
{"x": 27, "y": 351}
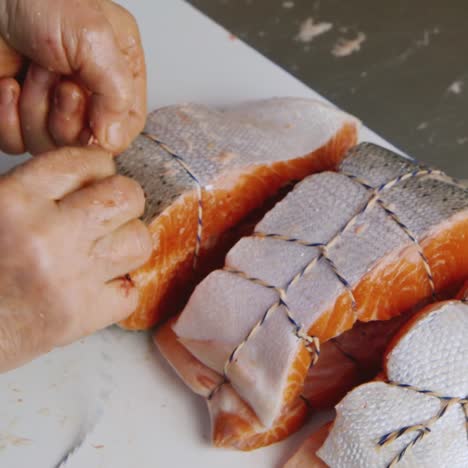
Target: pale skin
{"x": 69, "y": 226}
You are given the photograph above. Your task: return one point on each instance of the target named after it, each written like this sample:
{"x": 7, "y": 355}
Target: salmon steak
{"x": 416, "y": 414}
{"x": 204, "y": 170}
{"x": 366, "y": 243}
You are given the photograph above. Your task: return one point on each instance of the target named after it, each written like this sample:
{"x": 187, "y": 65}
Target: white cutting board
{"x": 113, "y": 385}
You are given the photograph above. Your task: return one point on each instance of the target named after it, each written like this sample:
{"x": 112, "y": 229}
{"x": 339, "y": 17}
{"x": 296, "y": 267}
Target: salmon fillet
{"x": 366, "y": 243}
{"x": 337, "y": 372}
{"x": 203, "y": 171}
{"x": 416, "y": 414}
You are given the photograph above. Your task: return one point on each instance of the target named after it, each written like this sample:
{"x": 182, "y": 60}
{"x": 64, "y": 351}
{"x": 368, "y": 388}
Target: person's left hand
{"x": 71, "y": 72}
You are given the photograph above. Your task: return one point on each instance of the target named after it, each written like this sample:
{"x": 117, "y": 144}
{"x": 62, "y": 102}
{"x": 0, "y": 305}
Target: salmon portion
{"x": 234, "y": 424}
{"x": 366, "y": 244}
{"x": 343, "y": 364}
{"x": 399, "y": 283}
{"x": 250, "y": 154}
{"x": 377, "y": 423}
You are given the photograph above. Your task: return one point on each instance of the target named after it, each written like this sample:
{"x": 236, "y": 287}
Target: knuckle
{"x": 128, "y": 18}
{"x": 96, "y": 157}
{"x": 130, "y": 193}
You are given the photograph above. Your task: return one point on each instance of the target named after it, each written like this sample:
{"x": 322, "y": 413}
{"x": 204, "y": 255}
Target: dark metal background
{"x": 398, "y": 83}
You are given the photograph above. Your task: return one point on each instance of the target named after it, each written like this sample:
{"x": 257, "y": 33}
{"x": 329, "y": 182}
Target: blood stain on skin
{"x": 127, "y": 284}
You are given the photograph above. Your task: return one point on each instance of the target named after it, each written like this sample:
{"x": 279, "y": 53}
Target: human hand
{"x": 85, "y": 75}
{"x": 68, "y": 234}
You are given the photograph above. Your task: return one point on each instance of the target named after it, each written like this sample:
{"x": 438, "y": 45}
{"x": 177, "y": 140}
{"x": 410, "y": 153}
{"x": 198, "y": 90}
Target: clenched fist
{"x": 71, "y": 72}
{"x": 69, "y": 233}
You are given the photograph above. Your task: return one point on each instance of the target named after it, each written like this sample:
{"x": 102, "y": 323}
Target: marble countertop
{"x": 400, "y": 66}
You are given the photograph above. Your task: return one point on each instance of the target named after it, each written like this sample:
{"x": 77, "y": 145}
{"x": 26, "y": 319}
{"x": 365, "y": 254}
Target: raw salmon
{"x": 464, "y": 292}
{"x": 344, "y": 363}
{"x": 349, "y": 360}
{"x": 416, "y": 415}
{"x": 366, "y": 243}
{"x": 203, "y": 171}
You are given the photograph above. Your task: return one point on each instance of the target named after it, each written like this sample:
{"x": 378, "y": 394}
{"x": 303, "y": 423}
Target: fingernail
{"x": 114, "y": 135}
{"x": 7, "y": 96}
{"x": 66, "y": 102}
{"x": 40, "y": 75}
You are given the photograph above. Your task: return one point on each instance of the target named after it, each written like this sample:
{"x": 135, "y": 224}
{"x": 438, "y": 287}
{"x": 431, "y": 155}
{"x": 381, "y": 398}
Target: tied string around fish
{"x": 198, "y": 187}
{"x": 375, "y": 198}
{"x": 312, "y": 342}
{"x": 423, "y": 428}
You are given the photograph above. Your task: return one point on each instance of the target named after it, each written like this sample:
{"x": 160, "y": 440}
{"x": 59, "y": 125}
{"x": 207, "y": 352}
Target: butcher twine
{"x": 423, "y": 428}
{"x": 198, "y": 186}
{"x": 312, "y": 343}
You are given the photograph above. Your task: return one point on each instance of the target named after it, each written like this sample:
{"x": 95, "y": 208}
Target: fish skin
{"x": 342, "y": 366}
{"x": 429, "y": 353}
{"x": 261, "y": 369}
{"x": 286, "y": 138}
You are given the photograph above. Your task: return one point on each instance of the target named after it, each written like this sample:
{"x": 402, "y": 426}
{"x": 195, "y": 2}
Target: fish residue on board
{"x": 12, "y": 440}
{"x": 345, "y": 47}
{"x": 309, "y": 30}
{"x": 288, "y": 4}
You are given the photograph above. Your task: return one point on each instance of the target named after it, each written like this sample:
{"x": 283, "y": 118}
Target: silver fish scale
{"x": 191, "y": 147}
{"x": 341, "y": 212}
{"x": 376, "y": 164}
{"x": 450, "y": 325}
{"x": 354, "y": 253}
{"x": 162, "y": 178}
{"x": 426, "y": 201}
{"x": 378, "y": 423}
{"x": 225, "y": 144}
{"x": 305, "y": 213}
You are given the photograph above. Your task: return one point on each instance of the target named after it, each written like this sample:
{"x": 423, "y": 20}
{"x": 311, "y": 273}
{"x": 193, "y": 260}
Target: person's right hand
{"x": 69, "y": 233}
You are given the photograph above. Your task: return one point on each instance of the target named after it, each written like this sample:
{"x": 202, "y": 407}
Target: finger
{"x": 54, "y": 175}
{"x": 34, "y": 109}
{"x": 118, "y": 299}
{"x": 67, "y": 116}
{"x": 79, "y": 41}
{"x": 10, "y": 61}
{"x": 104, "y": 206}
{"x": 102, "y": 68}
{"x": 128, "y": 38}
{"x": 123, "y": 250}
{"x": 11, "y": 140}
